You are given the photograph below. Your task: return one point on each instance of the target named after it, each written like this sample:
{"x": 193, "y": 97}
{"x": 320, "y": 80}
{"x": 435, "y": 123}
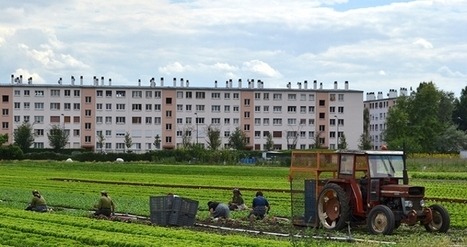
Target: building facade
{"x": 378, "y": 107}
{"x": 178, "y": 113}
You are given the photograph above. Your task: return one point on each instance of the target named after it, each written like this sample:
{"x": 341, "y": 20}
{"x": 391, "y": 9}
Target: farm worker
{"x": 237, "y": 202}
{"x": 105, "y": 206}
{"x": 219, "y": 210}
{"x": 260, "y": 207}
{"x": 38, "y": 203}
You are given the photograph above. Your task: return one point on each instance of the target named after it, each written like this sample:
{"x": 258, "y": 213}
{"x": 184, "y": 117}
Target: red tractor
{"x": 366, "y": 187}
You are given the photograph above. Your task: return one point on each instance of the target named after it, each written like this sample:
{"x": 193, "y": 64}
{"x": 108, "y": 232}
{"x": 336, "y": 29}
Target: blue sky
{"x": 375, "y": 45}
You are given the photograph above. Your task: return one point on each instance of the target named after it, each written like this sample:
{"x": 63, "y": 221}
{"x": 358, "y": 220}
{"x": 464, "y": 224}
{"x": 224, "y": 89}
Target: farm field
{"x": 72, "y": 189}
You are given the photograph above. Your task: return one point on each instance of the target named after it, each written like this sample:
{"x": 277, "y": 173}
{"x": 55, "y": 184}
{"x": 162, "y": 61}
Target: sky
{"x": 376, "y": 45}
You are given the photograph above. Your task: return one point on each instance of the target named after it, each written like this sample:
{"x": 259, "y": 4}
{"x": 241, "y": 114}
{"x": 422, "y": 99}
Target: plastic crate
{"x": 181, "y": 219}
{"x": 160, "y": 209}
{"x": 185, "y": 206}
{"x": 160, "y": 218}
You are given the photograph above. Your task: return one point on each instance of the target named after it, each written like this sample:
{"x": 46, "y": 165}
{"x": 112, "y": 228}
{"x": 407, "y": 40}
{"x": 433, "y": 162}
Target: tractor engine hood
{"x": 402, "y": 190}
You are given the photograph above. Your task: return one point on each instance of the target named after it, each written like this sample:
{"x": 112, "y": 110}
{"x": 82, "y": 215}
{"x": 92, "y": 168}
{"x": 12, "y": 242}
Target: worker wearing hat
{"x": 105, "y": 206}
{"x": 237, "y": 202}
{"x": 38, "y": 203}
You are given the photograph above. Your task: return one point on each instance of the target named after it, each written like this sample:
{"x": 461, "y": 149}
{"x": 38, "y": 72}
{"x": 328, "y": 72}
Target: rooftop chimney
{"x": 239, "y": 83}
{"x": 230, "y": 83}
{"x": 346, "y": 85}
{"x": 139, "y": 82}
{"x": 12, "y": 79}
{"x": 162, "y": 81}
{"x": 289, "y": 85}
{"x": 152, "y": 82}
{"x": 102, "y": 81}
{"x": 72, "y": 80}
{"x": 215, "y": 84}
{"x": 335, "y": 84}
{"x": 81, "y": 80}
{"x": 252, "y": 85}
{"x": 60, "y": 81}
{"x": 110, "y": 82}
{"x": 315, "y": 84}
{"x": 30, "y": 80}
{"x": 21, "y": 79}
{"x": 181, "y": 82}
{"x": 305, "y": 85}
{"x": 320, "y": 85}
{"x": 299, "y": 85}
{"x": 175, "y": 82}
{"x": 187, "y": 83}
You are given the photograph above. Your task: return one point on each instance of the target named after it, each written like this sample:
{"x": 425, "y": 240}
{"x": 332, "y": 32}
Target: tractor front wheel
{"x": 440, "y": 221}
{"x": 381, "y": 220}
{"x": 333, "y": 207}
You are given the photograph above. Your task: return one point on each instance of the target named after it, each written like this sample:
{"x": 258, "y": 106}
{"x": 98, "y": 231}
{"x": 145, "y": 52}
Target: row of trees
{"x": 428, "y": 120}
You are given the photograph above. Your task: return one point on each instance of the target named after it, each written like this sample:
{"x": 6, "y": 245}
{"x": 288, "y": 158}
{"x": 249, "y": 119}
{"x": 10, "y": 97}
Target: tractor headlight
{"x": 422, "y": 203}
{"x": 408, "y": 204}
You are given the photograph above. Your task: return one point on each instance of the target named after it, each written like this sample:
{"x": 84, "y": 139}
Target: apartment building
{"x": 378, "y": 107}
{"x": 177, "y": 112}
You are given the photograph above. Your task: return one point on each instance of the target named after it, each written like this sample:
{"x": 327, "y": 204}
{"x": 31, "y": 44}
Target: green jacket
{"x": 105, "y": 202}
{"x": 38, "y": 201}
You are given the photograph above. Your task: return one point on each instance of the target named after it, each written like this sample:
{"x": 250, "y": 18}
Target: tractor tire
{"x": 381, "y": 220}
{"x": 333, "y": 207}
{"x": 441, "y": 219}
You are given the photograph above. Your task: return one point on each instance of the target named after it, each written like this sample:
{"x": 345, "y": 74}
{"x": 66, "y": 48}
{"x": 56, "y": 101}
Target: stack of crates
{"x": 173, "y": 210}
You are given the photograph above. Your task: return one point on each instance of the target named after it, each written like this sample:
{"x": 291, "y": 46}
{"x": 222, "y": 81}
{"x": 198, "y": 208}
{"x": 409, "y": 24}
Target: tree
{"x": 128, "y": 141}
{"x": 213, "y": 140}
{"x": 365, "y": 139}
{"x": 3, "y": 139}
{"x": 238, "y": 139}
{"x": 57, "y": 137}
{"x": 317, "y": 140}
{"x": 342, "y": 142}
{"x": 292, "y": 136}
{"x": 157, "y": 142}
{"x": 101, "y": 140}
{"x": 23, "y": 136}
{"x": 459, "y": 115}
{"x": 186, "y": 136}
{"x": 269, "y": 143}
{"x": 451, "y": 140}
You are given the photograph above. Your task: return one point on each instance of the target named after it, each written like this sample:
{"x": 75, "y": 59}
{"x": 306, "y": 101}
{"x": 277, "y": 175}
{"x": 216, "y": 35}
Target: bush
{"x": 11, "y": 152}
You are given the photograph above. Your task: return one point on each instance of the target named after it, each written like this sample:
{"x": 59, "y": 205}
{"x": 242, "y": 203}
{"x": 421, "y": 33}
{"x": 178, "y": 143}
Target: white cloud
{"x": 446, "y": 71}
{"x": 261, "y": 68}
{"x": 382, "y": 72}
{"x": 423, "y": 43}
{"x": 172, "y": 68}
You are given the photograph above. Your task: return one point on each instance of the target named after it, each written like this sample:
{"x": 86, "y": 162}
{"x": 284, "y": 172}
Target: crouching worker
{"x": 105, "y": 206}
{"x": 219, "y": 210}
{"x": 38, "y": 203}
{"x": 237, "y": 202}
{"x": 260, "y": 207}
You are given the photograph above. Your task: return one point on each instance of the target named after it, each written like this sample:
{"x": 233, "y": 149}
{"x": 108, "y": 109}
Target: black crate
{"x": 159, "y": 203}
{"x": 185, "y": 205}
{"x": 311, "y": 213}
{"x": 181, "y": 219}
{"x": 160, "y": 218}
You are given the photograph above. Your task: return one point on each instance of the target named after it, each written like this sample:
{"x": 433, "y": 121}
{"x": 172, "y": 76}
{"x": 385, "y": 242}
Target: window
{"x": 148, "y": 94}
{"x": 136, "y": 120}
{"x": 108, "y": 120}
{"x": 340, "y": 109}
{"x": 136, "y": 107}
{"x": 332, "y": 109}
{"x": 99, "y": 106}
{"x": 303, "y": 121}
{"x": 322, "y": 128}
{"x": 136, "y": 94}
{"x": 277, "y": 134}
{"x": 168, "y": 101}
{"x": 257, "y": 108}
{"x": 236, "y": 95}
{"x": 55, "y": 93}
{"x": 277, "y": 121}
{"x": 332, "y": 97}
{"x": 200, "y": 120}
{"x": 76, "y": 119}
{"x": 87, "y": 99}
{"x": 226, "y": 108}
{"x": 99, "y": 93}
{"x": 87, "y": 126}
{"x": 292, "y": 97}
{"x": 265, "y": 121}
{"x": 291, "y": 121}
{"x": 38, "y": 145}
{"x": 227, "y": 121}
{"x": 188, "y": 95}
{"x": 38, "y": 106}
{"x": 148, "y": 107}
{"x": 340, "y": 97}
{"x": 311, "y": 134}
{"x": 179, "y": 107}
{"x": 157, "y": 107}
{"x": 246, "y": 127}
{"x": 226, "y": 133}
{"x": 188, "y": 107}
{"x": 277, "y": 96}
{"x": 215, "y": 95}
{"x": 266, "y": 96}
{"x": 17, "y": 93}
{"x": 26, "y": 105}
{"x": 168, "y": 114}
{"x": 148, "y": 120}
{"x": 199, "y": 108}
{"x": 120, "y": 94}
{"x": 108, "y": 93}
{"x": 26, "y": 119}
{"x": 302, "y": 109}
{"x": 76, "y": 93}
{"x": 236, "y": 109}
{"x": 257, "y": 96}
{"x": 5, "y": 125}
{"x": 215, "y": 120}
{"x": 157, "y": 120}
{"x": 99, "y": 120}
{"x": 266, "y": 108}
{"x": 39, "y": 132}
{"x": 322, "y": 115}
{"x": 120, "y": 120}
{"x": 39, "y": 92}
{"x": 246, "y": 114}
{"x": 17, "y": 105}
{"x": 108, "y": 146}
{"x": 236, "y": 121}
{"x": 291, "y": 109}
{"x": 179, "y": 95}
{"x": 226, "y": 95}
{"x": 157, "y": 94}
{"x": 26, "y": 92}
{"x": 76, "y": 106}
{"x": 200, "y": 95}
{"x": 277, "y": 109}
{"x": 39, "y": 119}
{"x": 87, "y": 113}
{"x": 311, "y": 109}
{"x": 322, "y": 102}
{"x": 311, "y": 97}
{"x": 179, "y": 120}
{"x": 120, "y": 146}
{"x": 247, "y": 102}
{"x": 216, "y": 108}
{"x": 257, "y": 121}
{"x": 302, "y": 97}
{"x": 55, "y": 119}
{"x": 188, "y": 120}
{"x": 17, "y": 119}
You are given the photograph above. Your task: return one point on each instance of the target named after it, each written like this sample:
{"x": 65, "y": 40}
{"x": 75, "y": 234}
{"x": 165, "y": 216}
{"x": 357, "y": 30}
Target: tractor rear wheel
{"x": 333, "y": 207}
{"x": 381, "y": 220}
{"x": 440, "y": 221}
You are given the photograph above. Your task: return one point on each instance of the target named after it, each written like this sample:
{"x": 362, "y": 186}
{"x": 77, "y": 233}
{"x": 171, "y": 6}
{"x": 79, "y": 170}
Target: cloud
{"x": 261, "y": 68}
{"x": 382, "y": 72}
{"x": 446, "y": 71}
{"x": 174, "y": 68}
{"x": 423, "y": 43}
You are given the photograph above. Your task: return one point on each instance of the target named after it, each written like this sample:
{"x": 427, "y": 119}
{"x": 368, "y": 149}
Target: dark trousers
{"x": 103, "y": 211}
